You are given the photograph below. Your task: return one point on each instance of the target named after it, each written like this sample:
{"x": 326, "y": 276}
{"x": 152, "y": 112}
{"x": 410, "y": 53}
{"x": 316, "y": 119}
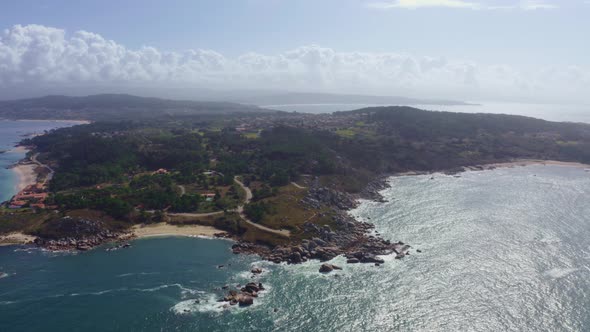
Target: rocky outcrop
{"x": 69, "y": 233}
{"x": 371, "y": 191}
{"x": 327, "y": 268}
{"x": 351, "y": 239}
{"x": 346, "y": 236}
{"x": 245, "y": 296}
{"x": 317, "y": 196}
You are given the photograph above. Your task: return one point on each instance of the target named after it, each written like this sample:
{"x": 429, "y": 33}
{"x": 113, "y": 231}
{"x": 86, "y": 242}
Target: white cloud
{"x": 36, "y": 56}
{"x": 416, "y": 4}
{"x": 461, "y": 4}
{"x": 534, "y": 5}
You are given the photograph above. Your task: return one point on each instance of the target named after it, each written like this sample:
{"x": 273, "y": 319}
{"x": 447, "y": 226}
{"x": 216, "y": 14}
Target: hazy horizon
{"x": 505, "y": 51}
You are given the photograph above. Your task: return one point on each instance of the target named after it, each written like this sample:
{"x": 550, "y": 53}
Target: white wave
{"x": 28, "y": 249}
{"x": 184, "y": 291}
{"x": 559, "y": 272}
{"x": 249, "y": 276}
{"x": 206, "y": 304}
{"x": 126, "y": 275}
{"x": 101, "y": 292}
{"x": 136, "y": 274}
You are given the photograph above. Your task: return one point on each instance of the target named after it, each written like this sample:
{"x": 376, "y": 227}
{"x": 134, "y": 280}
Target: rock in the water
{"x": 353, "y": 260}
{"x": 256, "y": 270}
{"x": 327, "y": 268}
{"x": 368, "y": 258}
{"x": 251, "y": 287}
{"x": 245, "y": 300}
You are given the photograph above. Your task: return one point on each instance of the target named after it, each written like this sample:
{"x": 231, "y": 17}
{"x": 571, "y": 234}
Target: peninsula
{"x": 278, "y": 183}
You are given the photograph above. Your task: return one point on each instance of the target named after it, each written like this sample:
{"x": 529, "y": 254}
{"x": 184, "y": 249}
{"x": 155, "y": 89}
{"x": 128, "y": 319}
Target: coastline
{"x": 494, "y": 165}
{"x": 529, "y": 162}
{"x": 78, "y": 122}
{"x": 19, "y": 149}
{"x": 26, "y": 175}
{"x": 16, "y": 238}
{"x": 165, "y": 230}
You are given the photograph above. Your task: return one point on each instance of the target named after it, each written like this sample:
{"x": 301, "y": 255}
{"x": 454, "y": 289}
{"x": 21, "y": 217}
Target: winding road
{"x": 298, "y": 186}
{"x": 239, "y": 210}
{"x": 51, "y": 171}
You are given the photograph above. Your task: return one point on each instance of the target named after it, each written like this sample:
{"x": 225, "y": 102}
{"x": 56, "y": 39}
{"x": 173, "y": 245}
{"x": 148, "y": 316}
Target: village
{"x": 34, "y": 176}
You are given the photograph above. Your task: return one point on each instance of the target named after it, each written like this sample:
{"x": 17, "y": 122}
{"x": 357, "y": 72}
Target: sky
{"x": 505, "y": 50}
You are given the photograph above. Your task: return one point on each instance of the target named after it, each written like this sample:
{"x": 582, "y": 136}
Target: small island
{"x": 279, "y": 184}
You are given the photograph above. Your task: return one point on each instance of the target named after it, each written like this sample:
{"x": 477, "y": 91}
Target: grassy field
{"x": 251, "y": 135}
{"x": 289, "y": 213}
{"x": 21, "y": 221}
{"x": 346, "y": 133}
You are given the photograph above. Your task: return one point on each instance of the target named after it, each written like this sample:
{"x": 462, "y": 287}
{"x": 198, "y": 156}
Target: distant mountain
{"x": 113, "y": 107}
{"x": 328, "y": 98}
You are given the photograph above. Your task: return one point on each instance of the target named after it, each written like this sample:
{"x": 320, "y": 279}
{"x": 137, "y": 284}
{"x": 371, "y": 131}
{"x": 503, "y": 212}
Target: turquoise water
{"x": 12, "y": 132}
{"x": 502, "y": 250}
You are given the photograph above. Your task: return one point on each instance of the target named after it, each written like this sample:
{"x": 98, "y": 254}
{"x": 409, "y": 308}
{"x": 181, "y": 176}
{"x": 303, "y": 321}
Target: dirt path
{"x": 196, "y": 215}
{"x": 240, "y": 210}
{"x": 298, "y": 186}
{"x": 182, "y": 190}
{"x": 246, "y": 189}
{"x": 51, "y": 171}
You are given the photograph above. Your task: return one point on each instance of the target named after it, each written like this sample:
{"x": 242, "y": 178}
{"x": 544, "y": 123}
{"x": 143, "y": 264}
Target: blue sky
{"x": 523, "y": 38}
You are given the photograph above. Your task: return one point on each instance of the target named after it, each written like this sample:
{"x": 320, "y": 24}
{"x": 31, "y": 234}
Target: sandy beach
{"x": 163, "y": 229}
{"x": 26, "y": 175}
{"x": 15, "y": 238}
{"x": 19, "y": 149}
{"x": 78, "y": 122}
{"x": 528, "y": 162}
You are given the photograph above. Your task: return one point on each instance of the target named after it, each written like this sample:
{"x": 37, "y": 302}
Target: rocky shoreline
{"x": 350, "y": 238}
{"x": 80, "y": 234}
{"x": 84, "y": 243}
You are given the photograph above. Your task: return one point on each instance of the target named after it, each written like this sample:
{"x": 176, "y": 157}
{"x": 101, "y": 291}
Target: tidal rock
{"x": 295, "y": 258}
{"x": 251, "y": 287}
{"x": 327, "y": 268}
{"x": 83, "y": 247}
{"x": 256, "y": 270}
{"x": 245, "y": 300}
{"x": 369, "y": 258}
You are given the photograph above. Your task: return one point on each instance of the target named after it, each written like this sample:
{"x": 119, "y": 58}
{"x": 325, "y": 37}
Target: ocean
{"x": 501, "y": 250}
{"x": 12, "y": 132}
{"x": 551, "y": 112}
